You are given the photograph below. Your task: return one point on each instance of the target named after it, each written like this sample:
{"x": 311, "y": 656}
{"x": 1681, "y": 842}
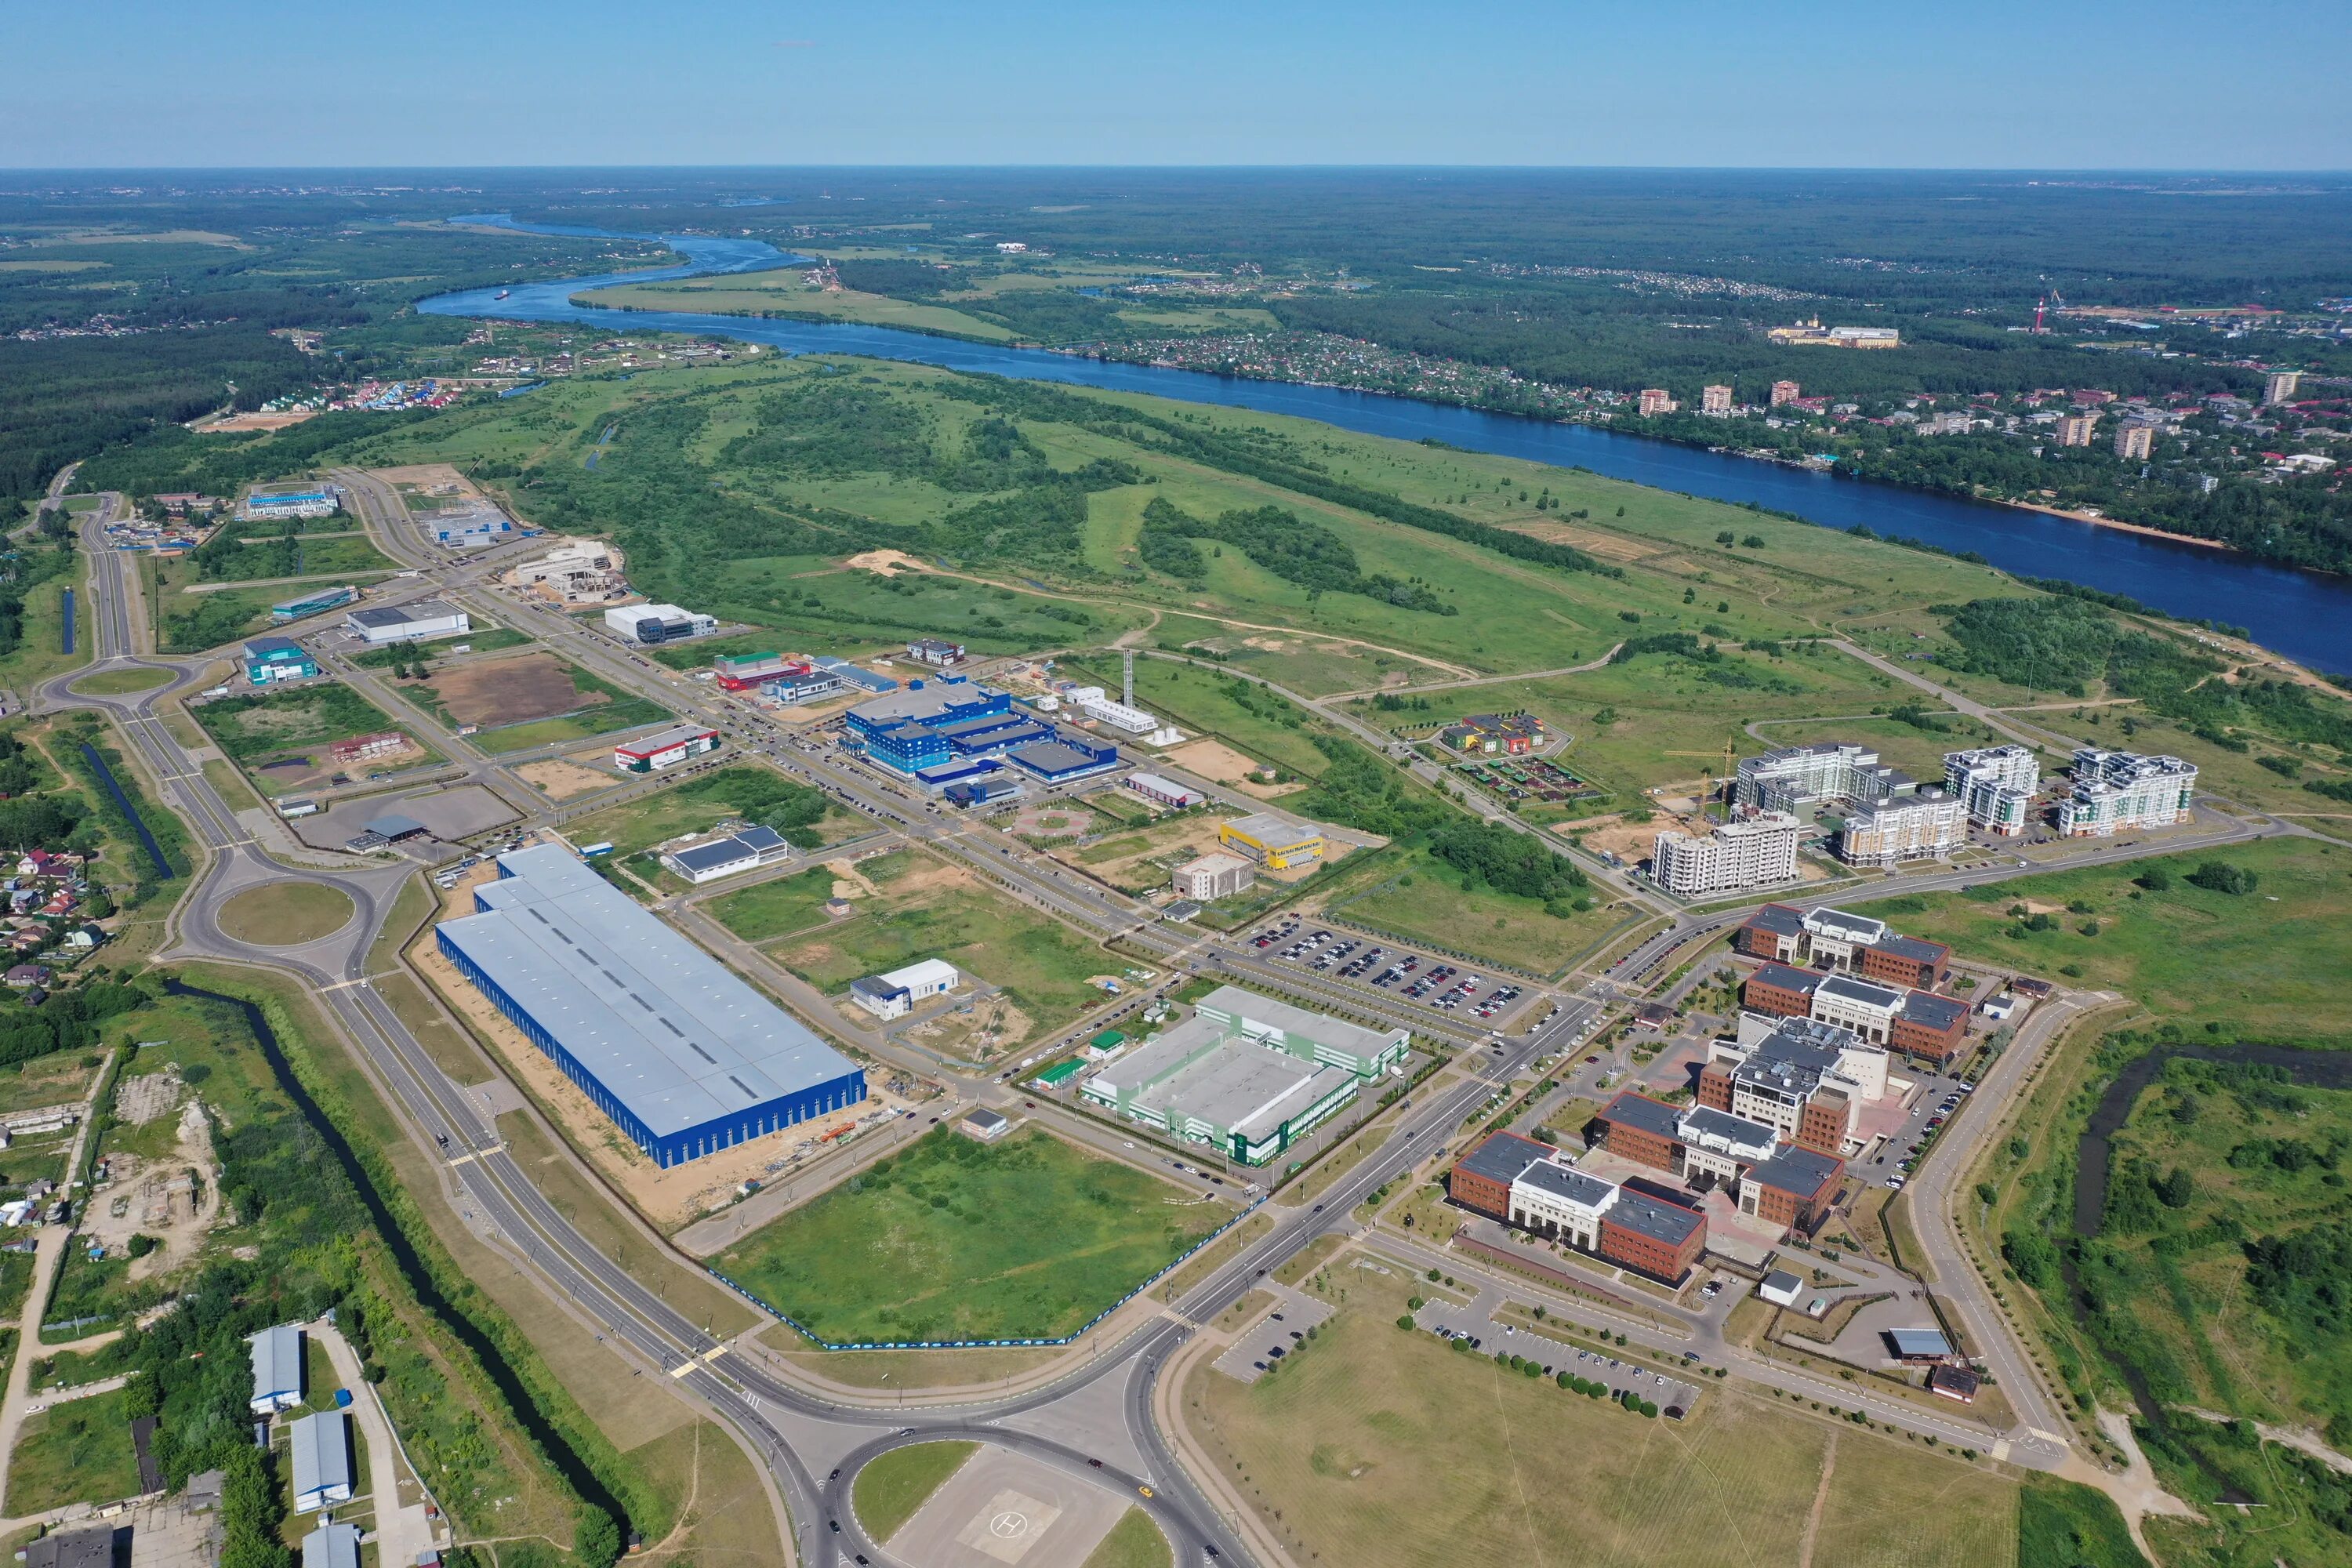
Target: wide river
{"x": 2305, "y": 616}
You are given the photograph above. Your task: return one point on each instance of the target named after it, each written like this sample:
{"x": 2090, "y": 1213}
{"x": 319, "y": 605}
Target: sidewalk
{"x": 403, "y": 1530}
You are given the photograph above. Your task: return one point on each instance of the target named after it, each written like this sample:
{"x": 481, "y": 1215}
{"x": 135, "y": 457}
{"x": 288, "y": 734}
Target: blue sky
{"x": 2253, "y": 84}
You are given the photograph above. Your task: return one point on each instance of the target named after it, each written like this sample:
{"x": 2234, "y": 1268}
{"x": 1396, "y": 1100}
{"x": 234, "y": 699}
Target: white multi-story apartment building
{"x": 1996, "y": 785}
{"x": 2116, "y": 791}
{"x": 1796, "y": 777}
{"x": 1753, "y": 850}
{"x": 1909, "y": 827}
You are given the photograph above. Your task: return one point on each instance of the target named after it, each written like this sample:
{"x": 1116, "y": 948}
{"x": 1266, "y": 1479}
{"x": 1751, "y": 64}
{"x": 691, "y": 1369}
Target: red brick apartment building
{"x": 1904, "y": 960}
{"x": 1795, "y": 1187}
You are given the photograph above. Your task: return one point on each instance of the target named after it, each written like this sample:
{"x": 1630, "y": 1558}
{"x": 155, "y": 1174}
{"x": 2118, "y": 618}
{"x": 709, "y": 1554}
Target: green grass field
{"x": 1133, "y": 1543}
{"x": 569, "y": 729}
{"x": 77, "y": 1452}
{"x": 37, "y": 656}
{"x": 2265, "y": 964}
{"x": 779, "y": 908}
{"x": 266, "y": 724}
{"x": 888, "y": 1492}
{"x": 282, "y": 914}
{"x": 121, "y": 682}
{"x": 1423, "y": 900}
{"x": 1342, "y": 1443}
{"x": 927, "y": 912}
{"x": 693, "y": 807}
{"x": 954, "y": 1240}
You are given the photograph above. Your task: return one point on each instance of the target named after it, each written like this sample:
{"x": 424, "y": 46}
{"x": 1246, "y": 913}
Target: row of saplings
{"x": 1566, "y": 1379}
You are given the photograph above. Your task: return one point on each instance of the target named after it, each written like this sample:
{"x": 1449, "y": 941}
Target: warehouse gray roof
{"x": 927, "y": 700}
{"x": 1056, "y": 757}
{"x": 1267, "y": 1012}
{"x": 322, "y": 1447}
{"x": 1918, "y": 1343}
{"x": 401, "y": 615}
{"x": 1245, "y": 1087}
{"x": 331, "y": 1546}
{"x": 748, "y": 845}
{"x": 277, "y": 1357}
{"x": 667, "y": 1029}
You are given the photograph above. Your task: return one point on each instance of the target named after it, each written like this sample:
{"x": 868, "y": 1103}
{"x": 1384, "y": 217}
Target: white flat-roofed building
{"x": 897, "y": 993}
{"x": 1314, "y": 1036}
{"x": 1868, "y": 1010}
{"x": 1204, "y": 1082}
{"x": 1216, "y": 875}
{"x": 1098, "y": 705}
{"x": 731, "y": 855}
{"x": 1553, "y": 1198}
{"x": 277, "y": 1368}
{"x": 684, "y": 1057}
{"x": 1719, "y": 1143}
{"x": 2110, "y": 792}
{"x": 320, "y": 1445}
{"x": 650, "y": 623}
{"x": 1754, "y": 849}
{"x": 1920, "y": 827}
{"x": 663, "y": 748}
{"x": 1995, "y": 785}
{"x": 417, "y": 622}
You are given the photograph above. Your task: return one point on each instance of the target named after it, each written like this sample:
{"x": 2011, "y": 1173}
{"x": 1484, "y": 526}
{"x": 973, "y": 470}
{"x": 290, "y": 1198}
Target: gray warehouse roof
{"x": 331, "y": 1546}
{"x": 927, "y": 700}
{"x": 322, "y": 1446}
{"x": 1787, "y": 979}
{"x": 1269, "y": 1011}
{"x": 748, "y": 845}
{"x": 276, "y": 1355}
{"x": 401, "y": 615}
{"x": 667, "y": 1029}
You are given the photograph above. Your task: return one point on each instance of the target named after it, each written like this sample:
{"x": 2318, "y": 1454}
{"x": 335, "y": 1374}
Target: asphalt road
{"x": 784, "y": 1423}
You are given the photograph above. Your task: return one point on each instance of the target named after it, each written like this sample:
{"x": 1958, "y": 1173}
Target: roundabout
{"x": 285, "y": 914}
{"x": 1000, "y": 1502}
{"x": 126, "y": 680}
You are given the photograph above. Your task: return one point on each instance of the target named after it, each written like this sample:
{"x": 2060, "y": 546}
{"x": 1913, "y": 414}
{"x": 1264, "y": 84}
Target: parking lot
{"x": 1447, "y": 987}
{"x": 1673, "y": 1396}
{"x": 1274, "y": 1336}
{"x": 1939, "y": 1099}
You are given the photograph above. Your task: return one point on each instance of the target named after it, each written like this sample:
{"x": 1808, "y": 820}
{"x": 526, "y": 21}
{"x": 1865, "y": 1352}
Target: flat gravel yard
{"x": 953, "y": 1239}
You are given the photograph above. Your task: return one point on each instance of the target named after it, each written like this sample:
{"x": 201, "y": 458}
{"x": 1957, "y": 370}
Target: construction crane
{"x": 1730, "y": 770}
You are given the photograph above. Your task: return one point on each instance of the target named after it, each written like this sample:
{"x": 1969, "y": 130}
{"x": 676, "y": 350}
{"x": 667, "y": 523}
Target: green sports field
{"x": 953, "y": 1239}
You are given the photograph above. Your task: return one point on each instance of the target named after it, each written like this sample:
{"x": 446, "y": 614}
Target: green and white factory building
{"x": 1246, "y": 1074}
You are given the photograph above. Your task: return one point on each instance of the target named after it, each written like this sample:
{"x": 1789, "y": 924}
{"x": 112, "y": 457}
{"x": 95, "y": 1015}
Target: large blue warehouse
{"x": 684, "y": 1057}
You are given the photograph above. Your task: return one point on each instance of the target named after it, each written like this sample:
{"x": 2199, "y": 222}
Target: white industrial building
{"x": 1919, "y": 826}
{"x": 417, "y": 622}
{"x": 1995, "y": 785}
{"x": 1215, "y": 875}
{"x": 730, "y": 856}
{"x": 574, "y": 572}
{"x": 321, "y": 1450}
{"x": 663, "y": 748}
{"x": 2119, "y": 791}
{"x": 1165, "y": 792}
{"x": 1753, "y": 850}
{"x": 1100, "y": 706}
{"x": 278, "y": 1363}
{"x": 652, "y": 624}
{"x": 896, "y": 994}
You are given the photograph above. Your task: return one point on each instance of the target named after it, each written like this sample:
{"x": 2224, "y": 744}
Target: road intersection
{"x": 811, "y": 1444}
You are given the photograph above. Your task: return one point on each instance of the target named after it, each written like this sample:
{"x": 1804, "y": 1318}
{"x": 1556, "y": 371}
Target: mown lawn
{"x": 888, "y": 1492}
{"x": 1028, "y": 1238}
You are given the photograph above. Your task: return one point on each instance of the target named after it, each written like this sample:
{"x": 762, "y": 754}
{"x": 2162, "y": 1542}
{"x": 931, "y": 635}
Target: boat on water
{"x": 504, "y": 293}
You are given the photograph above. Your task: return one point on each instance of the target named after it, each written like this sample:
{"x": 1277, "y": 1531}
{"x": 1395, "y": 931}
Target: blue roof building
{"x": 902, "y": 731}
{"x": 684, "y": 1057}
{"x": 268, "y": 660}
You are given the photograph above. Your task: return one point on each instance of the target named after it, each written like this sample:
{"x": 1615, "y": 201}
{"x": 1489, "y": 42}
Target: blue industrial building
{"x": 905, "y": 730}
{"x": 851, "y": 675}
{"x": 1057, "y": 759}
{"x": 685, "y": 1058}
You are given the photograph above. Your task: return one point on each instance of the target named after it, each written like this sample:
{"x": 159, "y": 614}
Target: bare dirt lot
{"x": 517, "y": 690}
{"x": 563, "y": 779}
{"x": 889, "y": 562}
{"x": 175, "y": 1200}
{"x": 435, "y": 478}
{"x": 237, "y": 422}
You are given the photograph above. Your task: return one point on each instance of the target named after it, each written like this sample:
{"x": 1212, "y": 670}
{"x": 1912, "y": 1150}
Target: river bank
{"x": 2303, "y": 615}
